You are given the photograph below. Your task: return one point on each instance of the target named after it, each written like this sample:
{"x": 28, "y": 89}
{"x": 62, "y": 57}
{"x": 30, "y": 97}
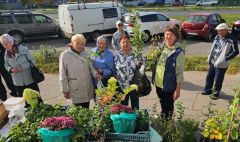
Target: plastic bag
{"x": 124, "y": 122}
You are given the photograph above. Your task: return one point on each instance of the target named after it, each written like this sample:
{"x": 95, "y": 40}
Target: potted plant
{"x": 32, "y": 97}
{"x": 57, "y": 129}
{"x": 124, "y": 118}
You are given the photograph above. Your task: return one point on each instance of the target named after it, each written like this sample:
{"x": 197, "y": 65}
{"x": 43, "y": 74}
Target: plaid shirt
{"x": 217, "y": 49}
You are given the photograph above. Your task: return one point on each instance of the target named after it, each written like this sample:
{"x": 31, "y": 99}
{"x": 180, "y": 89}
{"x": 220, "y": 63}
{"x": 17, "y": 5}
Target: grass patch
{"x": 183, "y": 8}
{"x": 200, "y": 64}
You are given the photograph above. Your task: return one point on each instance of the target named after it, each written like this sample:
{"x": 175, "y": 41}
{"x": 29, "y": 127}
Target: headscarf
{"x": 8, "y": 37}
{"x": 102, "y": 37}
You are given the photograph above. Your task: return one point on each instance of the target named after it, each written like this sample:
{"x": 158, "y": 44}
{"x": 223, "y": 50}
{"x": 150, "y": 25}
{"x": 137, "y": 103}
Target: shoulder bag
{"x": 37, "y": 75}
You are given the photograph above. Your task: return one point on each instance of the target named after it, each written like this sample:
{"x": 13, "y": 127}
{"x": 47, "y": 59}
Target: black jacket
{"x": 2, "y": 53}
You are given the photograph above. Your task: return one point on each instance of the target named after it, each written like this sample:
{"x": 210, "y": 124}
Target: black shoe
{"x": 214, "y": 96}
{"x": 206, "y": 92}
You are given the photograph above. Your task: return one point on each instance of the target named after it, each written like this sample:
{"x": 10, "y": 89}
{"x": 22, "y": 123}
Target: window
{"x": 197, "y": 18}
{"x": 6, "y": 20}
{"x": 24, "y": 19}
{"x": 213, "y": 19}
{"x": 149, "y": 18}
{"x": 42, "y": 19}
{"x": 110, "y": 13}
{"x": 219, "y": 19}
{"x": 162, "y": 18}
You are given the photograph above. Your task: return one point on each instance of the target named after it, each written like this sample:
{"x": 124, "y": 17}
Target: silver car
{"x": 26, "y": 24}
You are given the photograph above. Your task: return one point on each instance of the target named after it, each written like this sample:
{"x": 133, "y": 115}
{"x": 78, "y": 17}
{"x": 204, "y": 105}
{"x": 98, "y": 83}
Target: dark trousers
{"x": 84, "y": 105}
{"x": 216, "y": 74}
{"x": 3, "y": 91}
{"x": 9, "y": 82}
{"x": 20, "y": 89}
{"x": 134, "y": 99}
{"x": 166, "y": 101}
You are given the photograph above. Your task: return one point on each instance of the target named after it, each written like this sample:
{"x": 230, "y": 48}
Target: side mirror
{"x": 223, "y": 21}
{"x": 49, "y": 20}
{"x": 168, "y": 19}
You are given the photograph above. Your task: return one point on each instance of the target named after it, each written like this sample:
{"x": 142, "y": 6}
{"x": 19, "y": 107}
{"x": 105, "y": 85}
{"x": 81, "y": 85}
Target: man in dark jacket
{"x": 6, "y": 76}
{"x": 224, "y": 49}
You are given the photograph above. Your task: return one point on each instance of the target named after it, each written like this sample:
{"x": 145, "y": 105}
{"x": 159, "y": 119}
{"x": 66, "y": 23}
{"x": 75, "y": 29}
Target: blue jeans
{"x": 216, "y": 74}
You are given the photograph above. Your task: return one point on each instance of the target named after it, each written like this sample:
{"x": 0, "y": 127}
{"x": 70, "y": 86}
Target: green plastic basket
{"x": 124, "y": 122}
{"x": 55, "y": 136}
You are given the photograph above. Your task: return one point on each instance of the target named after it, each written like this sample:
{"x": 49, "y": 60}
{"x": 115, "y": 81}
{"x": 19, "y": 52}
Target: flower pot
{"x": 55, "y": 136}
{"x": 124, "y": 122}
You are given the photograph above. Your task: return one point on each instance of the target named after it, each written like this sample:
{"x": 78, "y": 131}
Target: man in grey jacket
{"x": 224, "y": 49}
{"x": 116, "y": 36}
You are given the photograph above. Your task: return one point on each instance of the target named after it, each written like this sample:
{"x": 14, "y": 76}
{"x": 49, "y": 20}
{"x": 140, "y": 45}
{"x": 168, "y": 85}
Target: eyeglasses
{"x": 120, "y": 25}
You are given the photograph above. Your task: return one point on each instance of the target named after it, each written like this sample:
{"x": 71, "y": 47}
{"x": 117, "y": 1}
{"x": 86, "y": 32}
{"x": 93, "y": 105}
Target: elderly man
{"x": 224, "y": 49}
{"x": 117, "y": 35}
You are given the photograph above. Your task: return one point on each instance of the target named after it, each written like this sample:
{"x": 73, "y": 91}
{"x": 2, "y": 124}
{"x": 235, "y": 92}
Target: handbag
{"x": 37, "y": 75}
{"x": 141, "y": 80}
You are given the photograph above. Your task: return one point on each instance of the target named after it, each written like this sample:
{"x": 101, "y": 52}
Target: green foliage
{"x": 47, "y": 59}
{"x": 137, "y": 37}
{"x": 177, "y": 129}
{"x": 224, "y": 125}
{"x": 31, "y": 97}
{"x": 26, "y": 131}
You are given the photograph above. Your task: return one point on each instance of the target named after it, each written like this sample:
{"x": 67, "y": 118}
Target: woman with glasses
{"x": 117, "y": 35}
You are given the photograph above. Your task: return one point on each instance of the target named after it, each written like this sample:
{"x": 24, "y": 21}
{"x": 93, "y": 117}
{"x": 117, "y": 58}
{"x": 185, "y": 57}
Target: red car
{"x": 236, "y": 29}
{"x": 202, "y": 25}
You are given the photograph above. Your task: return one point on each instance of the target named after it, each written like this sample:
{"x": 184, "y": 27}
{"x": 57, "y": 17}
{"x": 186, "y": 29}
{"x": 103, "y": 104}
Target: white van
{"x": 90, "y": 19}
{"x": 207, "y": 2}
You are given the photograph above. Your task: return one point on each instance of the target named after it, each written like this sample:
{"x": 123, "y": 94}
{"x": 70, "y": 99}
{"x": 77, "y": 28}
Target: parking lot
{"x": 195, "y": 46}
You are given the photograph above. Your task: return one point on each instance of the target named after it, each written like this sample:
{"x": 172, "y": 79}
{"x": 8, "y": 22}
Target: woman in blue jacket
{"x": 102, "y": 59}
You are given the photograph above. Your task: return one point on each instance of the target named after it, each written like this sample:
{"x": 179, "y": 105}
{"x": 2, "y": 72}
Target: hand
{"x": 100, "y": 71}
{"x": 16, "y": 69}
{"x": 176, "y": 95}
{"x": 66, "y": 95}
{"x": 98, "y": 76}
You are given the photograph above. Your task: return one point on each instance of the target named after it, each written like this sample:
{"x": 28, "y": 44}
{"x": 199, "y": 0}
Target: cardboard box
{"x": 3, "y": 115}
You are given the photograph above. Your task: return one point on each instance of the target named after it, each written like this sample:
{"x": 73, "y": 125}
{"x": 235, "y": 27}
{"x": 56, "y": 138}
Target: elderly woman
{"x": 125, "y": 64}
{"x": 75, "y": 73}
{"x": 168, "y": 71}
{"x": 102, "y": 59}
{"x": 17, "y": 59}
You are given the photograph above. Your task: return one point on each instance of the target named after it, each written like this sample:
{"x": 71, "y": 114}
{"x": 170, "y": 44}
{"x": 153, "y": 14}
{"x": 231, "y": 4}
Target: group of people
{"x": 80, "y": 72}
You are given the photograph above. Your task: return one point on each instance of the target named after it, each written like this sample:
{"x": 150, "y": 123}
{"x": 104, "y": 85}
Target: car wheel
{"x": 210, "y": 36}
{"x": 18, "y": 36}
{"x": 184, "y": 36}
{"x": 146, "y": 36}
{"x": 95, "y": 35}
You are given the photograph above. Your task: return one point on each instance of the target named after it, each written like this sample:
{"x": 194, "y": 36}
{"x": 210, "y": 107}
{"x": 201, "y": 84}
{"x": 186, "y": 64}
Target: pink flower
{"x": 58, "y": 123}
{"x": 118, "y": 108}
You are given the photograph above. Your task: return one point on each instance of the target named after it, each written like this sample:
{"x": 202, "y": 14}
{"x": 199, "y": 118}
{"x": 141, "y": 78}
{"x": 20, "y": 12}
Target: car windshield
{"x": 128, "y": 19}
{"x": 196, "y": 18}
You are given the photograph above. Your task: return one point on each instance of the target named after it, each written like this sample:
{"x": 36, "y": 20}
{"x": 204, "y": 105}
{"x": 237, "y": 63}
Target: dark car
{"x": 202, "y": 25}
{"x": 21, "y": 24}
{"x": 236, "y": 29}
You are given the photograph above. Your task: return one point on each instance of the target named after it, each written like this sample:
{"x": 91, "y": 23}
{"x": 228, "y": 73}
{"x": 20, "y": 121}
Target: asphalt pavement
{"x": 195, "y": 104}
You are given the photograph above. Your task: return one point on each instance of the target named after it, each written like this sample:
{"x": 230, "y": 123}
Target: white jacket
{"x": 75, "y": 76}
